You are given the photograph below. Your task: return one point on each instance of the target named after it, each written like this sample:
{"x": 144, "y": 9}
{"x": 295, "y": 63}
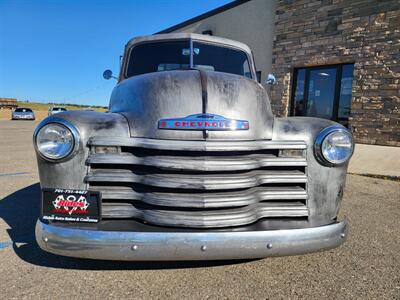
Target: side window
{"x": 246, "y": 69}
{"x": 258, "y": 74}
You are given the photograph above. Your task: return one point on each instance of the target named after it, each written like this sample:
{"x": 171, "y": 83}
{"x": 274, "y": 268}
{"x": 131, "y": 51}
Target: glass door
{"x": 323, "y": 92}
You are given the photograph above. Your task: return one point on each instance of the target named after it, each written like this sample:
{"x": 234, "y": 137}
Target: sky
{"x": 56, "y": 51}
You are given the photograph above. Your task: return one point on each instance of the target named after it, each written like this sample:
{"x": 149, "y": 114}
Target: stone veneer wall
{"x": 363, "y": 32}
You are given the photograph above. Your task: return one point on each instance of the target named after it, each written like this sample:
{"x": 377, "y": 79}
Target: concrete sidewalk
{"x": 375, "y": 160}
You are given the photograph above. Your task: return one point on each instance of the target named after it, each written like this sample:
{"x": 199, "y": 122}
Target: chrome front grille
{"x": 196, "y": 183}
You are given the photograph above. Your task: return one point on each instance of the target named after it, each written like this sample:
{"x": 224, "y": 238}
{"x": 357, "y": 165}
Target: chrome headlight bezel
{"x": 318, "y": 151}
{"x": 66, "y": 124}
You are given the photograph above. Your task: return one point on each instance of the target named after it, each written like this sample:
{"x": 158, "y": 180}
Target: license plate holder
{"x": 71, "y": 205}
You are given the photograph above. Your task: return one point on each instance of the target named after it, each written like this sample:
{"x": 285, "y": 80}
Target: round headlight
{"x": 55, "y": 141}
{"x": 334, "y": 146}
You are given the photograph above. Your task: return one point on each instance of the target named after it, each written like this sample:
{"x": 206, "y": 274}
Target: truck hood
{"x": 146, "y": 99}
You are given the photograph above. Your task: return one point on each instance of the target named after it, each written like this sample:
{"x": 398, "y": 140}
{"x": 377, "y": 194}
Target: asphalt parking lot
{"x": 366, "y": 266}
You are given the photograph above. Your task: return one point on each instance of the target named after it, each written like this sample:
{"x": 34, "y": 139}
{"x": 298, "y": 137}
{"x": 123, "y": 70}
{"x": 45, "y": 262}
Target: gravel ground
{"x": 365, "y": 267}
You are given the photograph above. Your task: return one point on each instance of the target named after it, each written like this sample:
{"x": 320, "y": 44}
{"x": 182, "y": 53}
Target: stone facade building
{"x": 364, "y": 33}
{"x": 336, "y": 59}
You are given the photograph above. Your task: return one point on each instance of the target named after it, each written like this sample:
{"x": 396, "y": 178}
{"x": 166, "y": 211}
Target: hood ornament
{"x": 203, "y": 122}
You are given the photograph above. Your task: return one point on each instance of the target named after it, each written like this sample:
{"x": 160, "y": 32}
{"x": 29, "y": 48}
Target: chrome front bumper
{"x": 172, "y": 246}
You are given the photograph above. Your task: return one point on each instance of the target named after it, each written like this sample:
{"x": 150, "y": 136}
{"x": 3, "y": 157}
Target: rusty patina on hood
{"x": 145, "y": 99}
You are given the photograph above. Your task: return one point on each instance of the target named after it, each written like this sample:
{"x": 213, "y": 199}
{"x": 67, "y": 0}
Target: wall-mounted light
{"x": 324, "y": 74}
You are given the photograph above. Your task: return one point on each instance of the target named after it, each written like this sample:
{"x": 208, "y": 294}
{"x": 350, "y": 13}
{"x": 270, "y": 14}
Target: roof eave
{"x": 206, "y": 15}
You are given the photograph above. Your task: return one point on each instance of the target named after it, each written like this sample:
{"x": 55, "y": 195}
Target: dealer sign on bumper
{"x": 71, "y": 205}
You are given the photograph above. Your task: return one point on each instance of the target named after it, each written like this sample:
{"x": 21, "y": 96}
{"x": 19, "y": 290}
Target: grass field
{"x": 46, "y": 106}
{"x": 41, "y": 109}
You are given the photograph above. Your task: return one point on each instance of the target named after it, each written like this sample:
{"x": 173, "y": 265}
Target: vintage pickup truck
{"x": 189, "y": 163}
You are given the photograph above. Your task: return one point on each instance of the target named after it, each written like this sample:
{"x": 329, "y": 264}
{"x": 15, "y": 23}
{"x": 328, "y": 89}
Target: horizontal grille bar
{"x": 204, "y": 200}
{"x": 196, "y": 145}
{"x": 199, "y": 181}
{"x": 204, "y": 163}
{"x": 202, "y": 219}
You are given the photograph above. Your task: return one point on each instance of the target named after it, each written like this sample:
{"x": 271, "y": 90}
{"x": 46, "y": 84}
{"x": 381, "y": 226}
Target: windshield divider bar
{"x": 191, "y": 53}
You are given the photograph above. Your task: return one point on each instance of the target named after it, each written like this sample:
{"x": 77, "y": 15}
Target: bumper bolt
{"x": 342, "y": 235}
{"x": 45, "y": 239}
{"x": 203, "y": 248}
{"x": 269, "y": 245}
{"x": 134, "y": 247}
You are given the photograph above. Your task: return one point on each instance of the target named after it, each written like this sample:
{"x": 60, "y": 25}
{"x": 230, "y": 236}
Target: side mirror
{"x": 107, "y": 74}
{"x": 271, "y": 79}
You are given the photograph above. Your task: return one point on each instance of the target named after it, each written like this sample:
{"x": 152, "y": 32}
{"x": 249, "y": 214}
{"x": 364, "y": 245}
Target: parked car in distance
{"x": 23, "y": 113}
{"x": 56, "y": 110}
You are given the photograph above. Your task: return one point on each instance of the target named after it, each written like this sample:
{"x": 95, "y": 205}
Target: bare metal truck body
{"x": 189, "y": 164}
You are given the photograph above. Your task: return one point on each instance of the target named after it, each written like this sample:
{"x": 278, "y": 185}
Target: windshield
{"x": 23, "y": 110}
{"x": 221, "y": 59}
{"x": 175, "y": 55}
{"x": 58, "y": 109}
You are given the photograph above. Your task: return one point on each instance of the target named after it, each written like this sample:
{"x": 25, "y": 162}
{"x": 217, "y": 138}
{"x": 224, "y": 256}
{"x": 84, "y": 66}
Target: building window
{"x": 323, "y": 92}
{"x": 258, "y": 73}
